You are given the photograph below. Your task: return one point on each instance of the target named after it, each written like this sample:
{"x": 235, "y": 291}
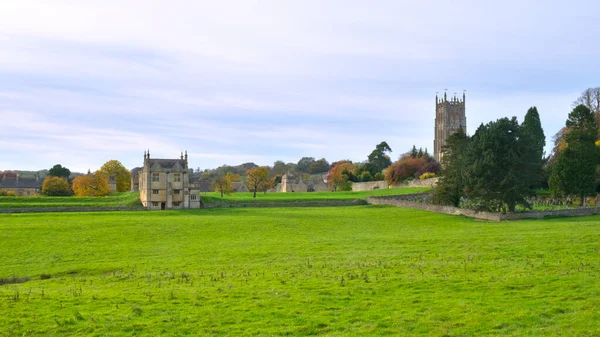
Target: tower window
{"x": 177, "y": 177}
{"x": 154, "y": 191}
{"x": 176, "y": 191}
{"x": 155, "y": 177}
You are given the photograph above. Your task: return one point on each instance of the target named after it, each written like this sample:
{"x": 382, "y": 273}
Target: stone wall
{"x": 322, "y": 203}
{"x": 369, "y": 186}
{"x": 378, "y": 185}
{"x": 412, "y": 201}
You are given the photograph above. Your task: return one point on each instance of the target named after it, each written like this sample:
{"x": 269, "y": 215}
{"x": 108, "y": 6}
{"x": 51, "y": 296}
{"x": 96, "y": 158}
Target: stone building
{"x": 11, "y": 182}
{"x": 239, "y": 186}
{"x": 291, "y": 183}
{"x": 450, "y": 118}
{"x": 164, "y": 184}
{"x": 135, "y": 178}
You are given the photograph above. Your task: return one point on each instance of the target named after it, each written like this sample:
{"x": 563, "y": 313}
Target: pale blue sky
{"x": 83, "y": 82}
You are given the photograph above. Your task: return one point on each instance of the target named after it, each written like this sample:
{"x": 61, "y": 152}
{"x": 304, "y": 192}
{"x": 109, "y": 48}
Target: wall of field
{"x": 414, "y": 201}
{"x": 378, "y": 185}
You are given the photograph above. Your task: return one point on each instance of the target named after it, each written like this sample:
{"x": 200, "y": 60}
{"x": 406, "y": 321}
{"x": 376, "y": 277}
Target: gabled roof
{"x": 168, "y": 163}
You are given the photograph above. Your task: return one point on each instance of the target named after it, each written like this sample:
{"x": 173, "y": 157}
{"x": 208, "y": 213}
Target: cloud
{"x": 231, "y": 81}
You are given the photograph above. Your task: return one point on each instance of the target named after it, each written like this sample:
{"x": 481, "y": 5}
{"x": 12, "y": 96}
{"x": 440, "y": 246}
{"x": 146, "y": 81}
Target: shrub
{"x": 56, "y": 186}
{"x": 7, "y": 193}
{"x": 427, "y": 175}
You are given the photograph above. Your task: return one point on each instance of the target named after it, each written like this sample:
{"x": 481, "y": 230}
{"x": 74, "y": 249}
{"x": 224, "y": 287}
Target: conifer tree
{"x": 574, "y": 171}
{"x": 450, "y": 186}
{"x": 496, "y": 170}
{"x": 532, "y": 141}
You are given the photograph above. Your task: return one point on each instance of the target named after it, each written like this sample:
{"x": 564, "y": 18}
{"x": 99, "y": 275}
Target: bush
{"x": 7, "y": 193}
{"x": 56, "y": 186}
{"x": 427, "y": 175}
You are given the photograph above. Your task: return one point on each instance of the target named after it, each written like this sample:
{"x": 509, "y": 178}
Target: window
{"x": 155, "y": 204}
{"x": 193, "y": 197}
{"x": 176, "y": 191}
{"x": 176, "y": 203}
{"x": 155, "y": 177}
{"x": 177, "y": 178}
{"x": 154, "y": 191}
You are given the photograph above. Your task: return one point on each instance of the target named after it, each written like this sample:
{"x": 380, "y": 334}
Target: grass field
{"x": 125, "y": 199}
{"x": 131, "y": 199}
{"x": 350, "y": 271}
{"x": 214, "y": 197}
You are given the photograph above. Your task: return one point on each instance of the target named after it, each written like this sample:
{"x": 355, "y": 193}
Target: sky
{"x": 84, "y": 82}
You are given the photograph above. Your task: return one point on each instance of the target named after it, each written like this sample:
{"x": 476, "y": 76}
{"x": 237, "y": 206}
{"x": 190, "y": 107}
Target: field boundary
{"x": 323, "y": 203}
{"x": 69, "y": 209}
{"x": 410, "y": 201}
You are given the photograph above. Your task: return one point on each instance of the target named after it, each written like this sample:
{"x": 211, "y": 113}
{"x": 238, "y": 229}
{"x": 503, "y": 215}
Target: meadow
{"x": 131, "y": 199}
{"x": 245, "y": 197}
{"x": 345, "y": 271}
{"x": 124, "y": 199}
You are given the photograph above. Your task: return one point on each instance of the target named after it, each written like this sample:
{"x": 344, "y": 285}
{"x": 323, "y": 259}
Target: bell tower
{"x": 450, "y": 118}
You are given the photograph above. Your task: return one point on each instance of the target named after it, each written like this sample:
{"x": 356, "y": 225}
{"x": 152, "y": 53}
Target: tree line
{"x": 501, "y": 167}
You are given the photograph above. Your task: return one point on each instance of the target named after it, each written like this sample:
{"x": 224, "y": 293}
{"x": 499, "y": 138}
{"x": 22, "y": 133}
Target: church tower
{"x": 450, "y": 118}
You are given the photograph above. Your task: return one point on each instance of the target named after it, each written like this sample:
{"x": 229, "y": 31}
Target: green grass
{"x": 125, "y": 199}
{"x": 346, "y": 271}
{"x": 247, "y": 197}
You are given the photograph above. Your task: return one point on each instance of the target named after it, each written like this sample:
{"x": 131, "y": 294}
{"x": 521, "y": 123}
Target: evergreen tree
{"x": 496, "y": 170}
{"x": 414, "y": 153}
{"x": 378, "y": 160}
{"x": 420, "y": 153}
{"x": 532, "y": 141}
{"x": 575, "y": 168}
{"x": 450, "y": 187}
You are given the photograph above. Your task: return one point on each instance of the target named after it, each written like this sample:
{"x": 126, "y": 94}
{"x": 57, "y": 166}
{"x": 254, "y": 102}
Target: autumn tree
{"x": 59, "y": 171}
{"x": 91, "y": 185}
{"x": 338, "y": 178}
{"x": 224, "y": 184}
{"x": 123, "y": 176}
{"x": 56, "y": 186}
{"x": 257, "y": 179}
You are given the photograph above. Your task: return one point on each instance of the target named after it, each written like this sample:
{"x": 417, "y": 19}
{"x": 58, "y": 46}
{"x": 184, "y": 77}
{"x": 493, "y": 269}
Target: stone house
{"x": 239, "y": 186}
{"x": 11, "y": 182}
{"x": 164, "y": 184}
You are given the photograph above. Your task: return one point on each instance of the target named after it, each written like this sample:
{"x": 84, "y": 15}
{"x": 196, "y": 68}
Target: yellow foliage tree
{"x": 257, "y": 179}
{"x": 91, "y": 185}
{"x": 56, "y": 186}
{"x": 114, "y": 167}
{"x": 336, "y": 177}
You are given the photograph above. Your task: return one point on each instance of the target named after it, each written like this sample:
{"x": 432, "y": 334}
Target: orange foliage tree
{"x": 408, "y": 167}
{"x": 114, "y": 167}
{"x": 337, "y": 178}
{"x": 56, "y": 186}
{"x": 257, "y": 179}
{"x": 91, "y": 185}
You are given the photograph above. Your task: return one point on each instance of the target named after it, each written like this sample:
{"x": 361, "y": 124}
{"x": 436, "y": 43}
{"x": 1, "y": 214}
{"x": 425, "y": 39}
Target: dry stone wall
{"x": 415, "y": 201}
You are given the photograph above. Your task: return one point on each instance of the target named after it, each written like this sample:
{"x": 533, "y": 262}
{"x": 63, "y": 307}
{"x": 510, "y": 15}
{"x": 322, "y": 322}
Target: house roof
{"x": 20, "y": 183}
{"x": 167, "y": 163}
{"x": 136, "y": 170}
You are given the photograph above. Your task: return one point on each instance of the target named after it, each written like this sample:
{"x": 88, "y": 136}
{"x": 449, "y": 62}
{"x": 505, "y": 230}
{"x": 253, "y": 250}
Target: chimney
{"x": 186, "y": 156}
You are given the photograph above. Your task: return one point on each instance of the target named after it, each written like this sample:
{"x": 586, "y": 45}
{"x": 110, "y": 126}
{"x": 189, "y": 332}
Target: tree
{"x": 403, "y": 169}
{"x": 450, "y": 187}
{"x": 590, "y": 98}
{"x": 532, "y": 141}
{"x": 91, "y": 185}
{"x": 337, "y": 178}
{"x": 378, "y": 160}
{"x": 56, "y": 186}
{"x": 319, "y": 166}
{"x": 575, "y": 169}
{"x": 59, "y": 171}
{"x": 123, "y": 176}
{"x": 257, "y": 179}
{"x": 496, "y": 167}
{"x": 413, "y": 152}
{"x": 305, "y": 163}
